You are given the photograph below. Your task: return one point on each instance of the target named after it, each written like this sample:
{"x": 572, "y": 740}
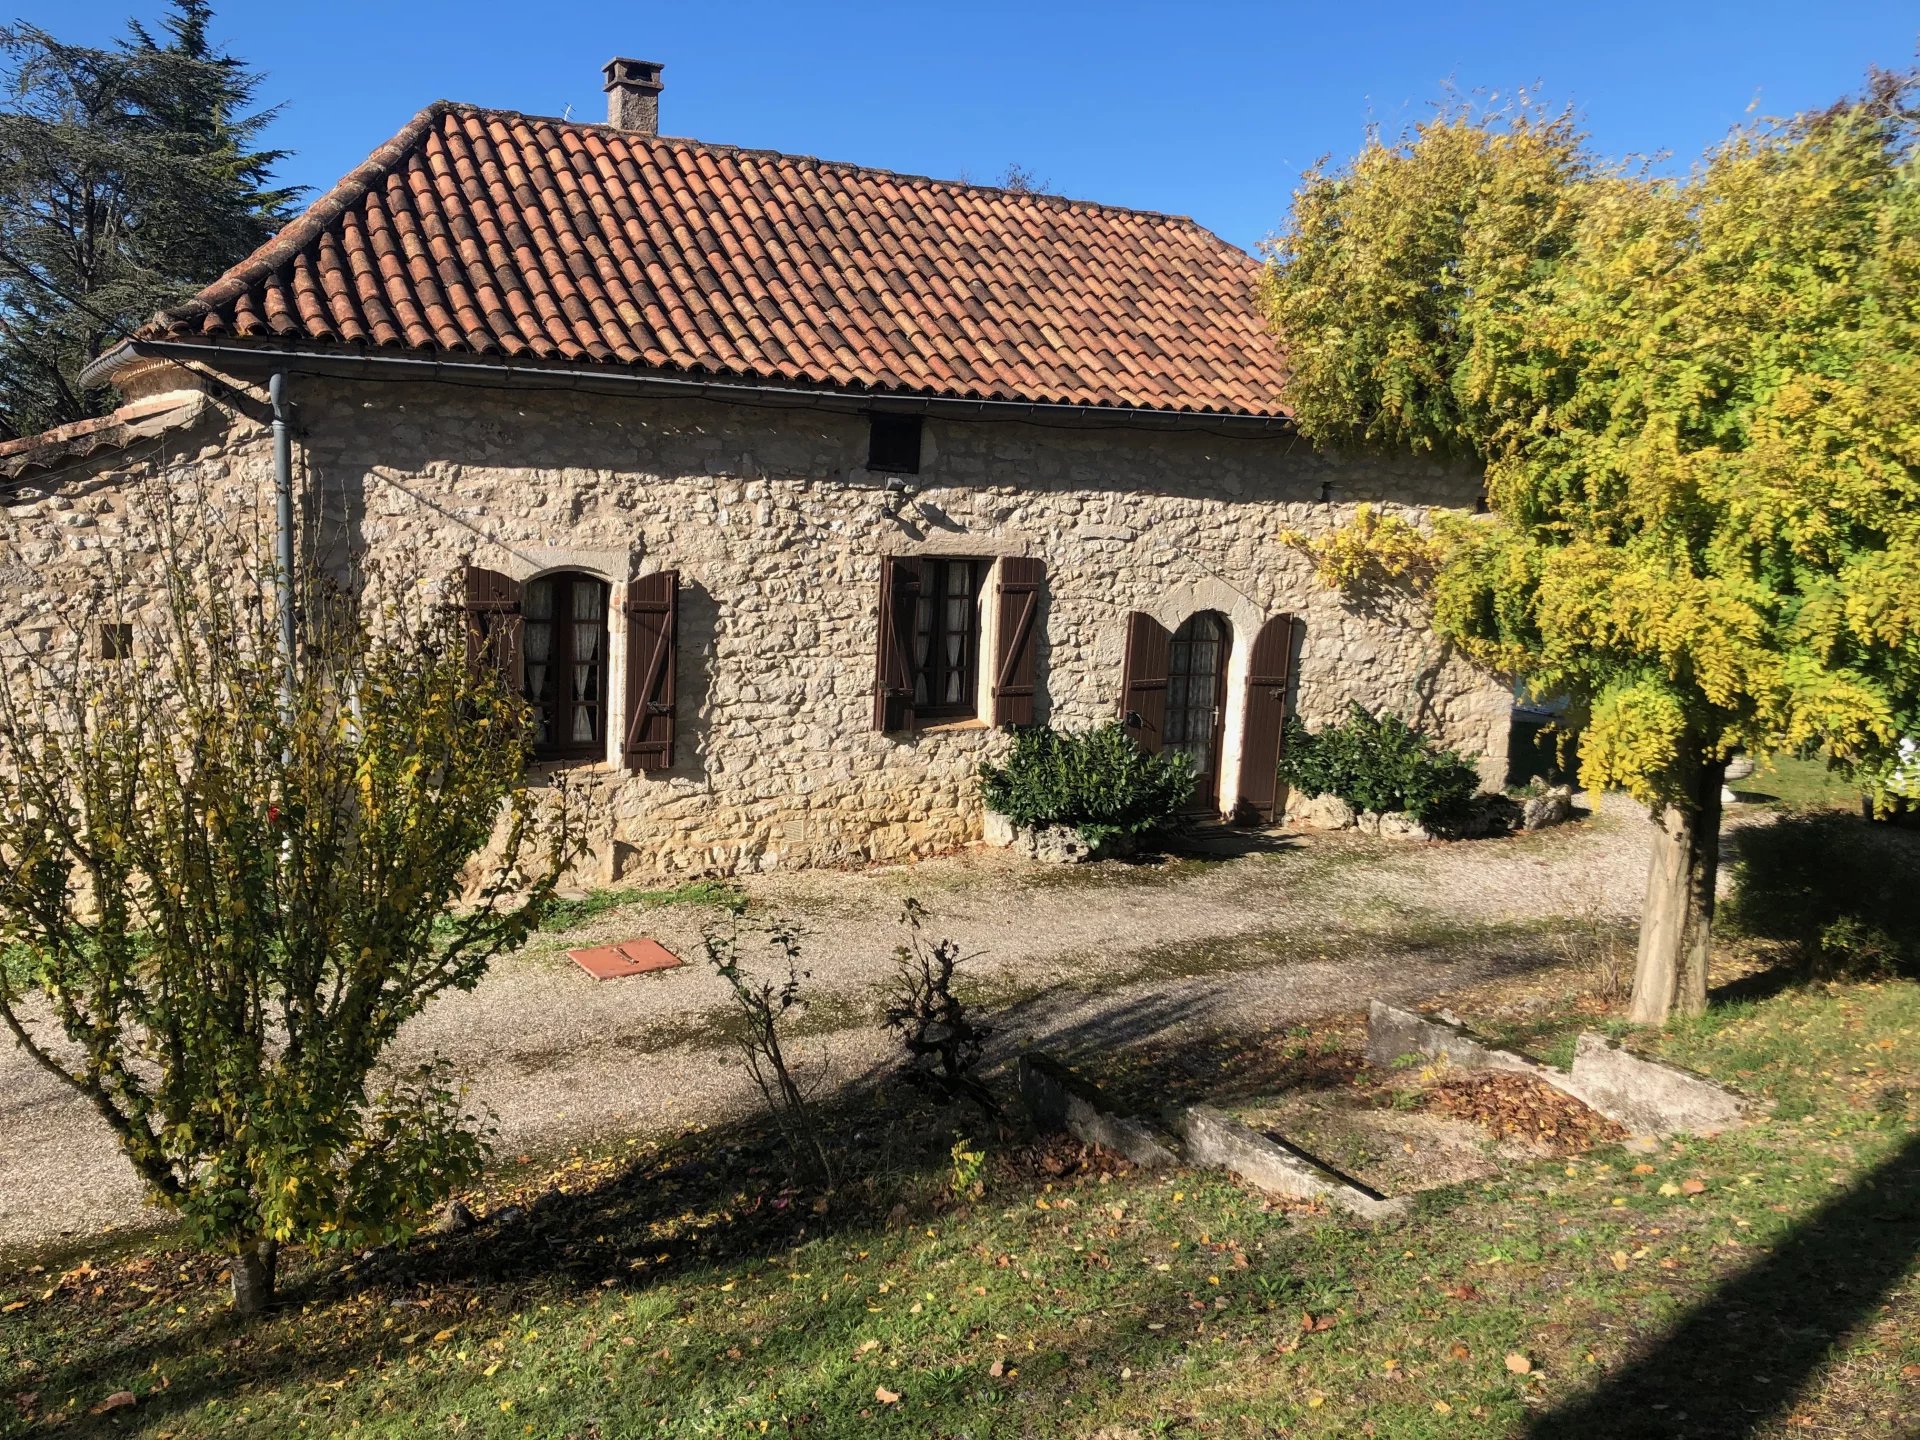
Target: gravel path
{"x": 1077, "y": 959}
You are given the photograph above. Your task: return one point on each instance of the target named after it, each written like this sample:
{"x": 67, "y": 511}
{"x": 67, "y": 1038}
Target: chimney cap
{"x": 624, "y": 73}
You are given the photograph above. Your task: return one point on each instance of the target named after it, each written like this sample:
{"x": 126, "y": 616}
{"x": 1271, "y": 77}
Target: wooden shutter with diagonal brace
{"x": 894, "y": 665}
{"x": 1016, "y": 648}
{"x": 1143, "y": 693}
{"x": 653, "y": 623}
{"x": 1270, "y": 670}
{"x": 494, "y": 624}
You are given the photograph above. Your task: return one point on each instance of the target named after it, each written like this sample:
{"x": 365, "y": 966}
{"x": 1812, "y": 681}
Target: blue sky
{"x": 1205, "y": 109}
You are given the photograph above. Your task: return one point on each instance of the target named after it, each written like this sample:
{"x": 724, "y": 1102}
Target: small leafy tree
{"x": 224, "y": 898}
{"x": 1693, "y": 400}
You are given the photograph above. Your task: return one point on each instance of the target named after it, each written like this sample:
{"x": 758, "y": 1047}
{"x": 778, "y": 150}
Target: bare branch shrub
{"x": 754, "y": 1029}
{"x": 944, "y": 1042}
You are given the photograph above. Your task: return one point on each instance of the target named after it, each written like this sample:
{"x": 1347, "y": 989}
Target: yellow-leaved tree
{"x": 1694, "y": 400}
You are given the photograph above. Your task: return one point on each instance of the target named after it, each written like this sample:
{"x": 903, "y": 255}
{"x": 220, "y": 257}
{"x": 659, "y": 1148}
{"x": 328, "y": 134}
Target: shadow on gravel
{"x": 1734, "y": 1363}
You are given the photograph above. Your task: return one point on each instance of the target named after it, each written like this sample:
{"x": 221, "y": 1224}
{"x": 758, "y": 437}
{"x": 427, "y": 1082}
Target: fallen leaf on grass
{"x": 118, "y": 1400}
{"x": 886, "y": 1396}
{"x": 1620, "y": 1260}
{"x": 997, "y": 1369}
{"x": 1518, "y": 1363}
{"x": 1693, "y": 1187}
{"x": 1309, "y": 1323}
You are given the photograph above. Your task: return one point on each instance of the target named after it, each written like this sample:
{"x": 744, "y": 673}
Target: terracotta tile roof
{"x": 487, "y": 233}
{"x": 78, "y": 439}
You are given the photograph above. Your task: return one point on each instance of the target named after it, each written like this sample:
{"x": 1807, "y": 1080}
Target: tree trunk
{"x": 254, "y": 1269}
{"x": 1676, "y": 931}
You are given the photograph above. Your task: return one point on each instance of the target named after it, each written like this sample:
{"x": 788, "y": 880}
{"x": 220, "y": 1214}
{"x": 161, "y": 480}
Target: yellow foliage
{"x": 1693, "y": 399}
{"x": 1374, "y": 548}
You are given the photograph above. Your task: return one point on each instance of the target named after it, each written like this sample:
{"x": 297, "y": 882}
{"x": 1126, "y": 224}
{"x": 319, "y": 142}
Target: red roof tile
{"x": 488, "y": 233}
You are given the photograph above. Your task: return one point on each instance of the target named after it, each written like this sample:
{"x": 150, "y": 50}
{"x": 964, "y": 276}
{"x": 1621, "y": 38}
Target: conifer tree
{"x": 130, "y": 175}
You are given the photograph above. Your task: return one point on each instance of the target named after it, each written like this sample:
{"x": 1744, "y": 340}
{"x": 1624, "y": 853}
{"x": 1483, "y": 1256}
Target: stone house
{"x": 783, "y": 486}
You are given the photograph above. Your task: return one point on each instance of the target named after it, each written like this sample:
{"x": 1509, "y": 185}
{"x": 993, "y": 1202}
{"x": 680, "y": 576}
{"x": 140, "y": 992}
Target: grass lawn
{"x": 1798, "y": 785}
{"x": 1759, "y": 1283}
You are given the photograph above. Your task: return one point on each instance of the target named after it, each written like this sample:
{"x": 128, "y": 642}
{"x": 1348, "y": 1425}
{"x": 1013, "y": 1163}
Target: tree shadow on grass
{"x": 718, "y": 1198}
{"x": 1735, "y": 1362}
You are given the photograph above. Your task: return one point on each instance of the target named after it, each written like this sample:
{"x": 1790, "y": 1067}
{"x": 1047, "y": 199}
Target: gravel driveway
{"x": 1078, "y": 958}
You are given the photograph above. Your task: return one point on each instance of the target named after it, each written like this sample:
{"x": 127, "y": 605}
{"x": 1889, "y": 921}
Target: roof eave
{"x": 479, "y": 370}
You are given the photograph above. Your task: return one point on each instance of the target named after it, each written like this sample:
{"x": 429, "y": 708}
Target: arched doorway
{"x": 1197, "y": 700}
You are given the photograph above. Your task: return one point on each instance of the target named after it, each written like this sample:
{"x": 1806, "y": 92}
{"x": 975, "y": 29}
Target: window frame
{"x": 560, "y": 661}
{"x": 933, "y": 602}
{"x": 894, "y": 443}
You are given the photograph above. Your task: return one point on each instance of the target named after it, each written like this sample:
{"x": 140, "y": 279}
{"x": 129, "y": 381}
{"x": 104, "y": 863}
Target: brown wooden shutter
{"x": 1143, "y": 696}
{"x": 494, "y": 623}
{"x": 894, "y": 668}
{"x": 653, "y": 632}
{"x": 1270, "y": 669}
{"x": 1016, "y": 647}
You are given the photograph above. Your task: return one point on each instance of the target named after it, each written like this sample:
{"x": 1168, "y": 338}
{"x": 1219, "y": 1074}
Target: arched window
{"x": 565, "y": 616}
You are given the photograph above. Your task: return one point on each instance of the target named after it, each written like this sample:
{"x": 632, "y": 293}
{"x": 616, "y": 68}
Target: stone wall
{"x": 777, "y": 532}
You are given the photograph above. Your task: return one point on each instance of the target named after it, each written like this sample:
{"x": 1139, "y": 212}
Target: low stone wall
{"x": 1057, "y": 1099}
{"x": 1647, "y": 1096}
{"x": 1217, "y": 1139}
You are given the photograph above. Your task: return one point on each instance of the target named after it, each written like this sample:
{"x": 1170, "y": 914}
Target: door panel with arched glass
{"x": 1197, "y": 700}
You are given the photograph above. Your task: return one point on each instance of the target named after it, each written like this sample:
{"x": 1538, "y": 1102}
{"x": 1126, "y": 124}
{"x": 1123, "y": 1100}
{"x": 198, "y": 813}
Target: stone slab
{"x": 1217, "y": 1139}
{"x": 1647, "y": 1096}
{"x": 1393, "y": 1034}
{"x": 1060, "y": 1100}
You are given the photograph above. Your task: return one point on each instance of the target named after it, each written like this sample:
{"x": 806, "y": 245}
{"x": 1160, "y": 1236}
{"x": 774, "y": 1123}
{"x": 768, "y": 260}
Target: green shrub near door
{"x": 1098, "y": 781}
{"x": 1378, "y": 763}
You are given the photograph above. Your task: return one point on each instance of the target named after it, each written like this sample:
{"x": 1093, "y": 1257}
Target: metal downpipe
{"x": 283, "y": 534}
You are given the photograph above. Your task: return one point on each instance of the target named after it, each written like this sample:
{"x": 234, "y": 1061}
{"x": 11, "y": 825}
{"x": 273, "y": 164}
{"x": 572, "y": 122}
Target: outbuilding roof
{"x": 491, "y": 234}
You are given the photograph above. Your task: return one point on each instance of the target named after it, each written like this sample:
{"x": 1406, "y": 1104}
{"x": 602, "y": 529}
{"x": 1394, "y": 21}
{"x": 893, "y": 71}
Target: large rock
{"x": 1213, "y": 1138}
{"x": 1320, "y": 812}
{"x": 1051, "y": 844}
{"x": 1056, "y": 845}
{"x": 1400, "y": 825}
{"x": 1057, "y": 1099}
{"x": 1551, "y": 806}
{"x": 998, "y": 831}
{"x": 1647, "y": 1096}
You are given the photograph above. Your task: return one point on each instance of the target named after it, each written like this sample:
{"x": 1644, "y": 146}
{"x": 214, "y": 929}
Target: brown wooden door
{"x": 1197, "y": 700}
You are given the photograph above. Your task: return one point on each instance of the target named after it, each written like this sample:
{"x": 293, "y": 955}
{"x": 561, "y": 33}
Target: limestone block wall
{"x": 777, "y": 532}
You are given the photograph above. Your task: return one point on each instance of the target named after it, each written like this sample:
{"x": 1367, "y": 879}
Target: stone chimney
{"x": 633, "y": 95}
